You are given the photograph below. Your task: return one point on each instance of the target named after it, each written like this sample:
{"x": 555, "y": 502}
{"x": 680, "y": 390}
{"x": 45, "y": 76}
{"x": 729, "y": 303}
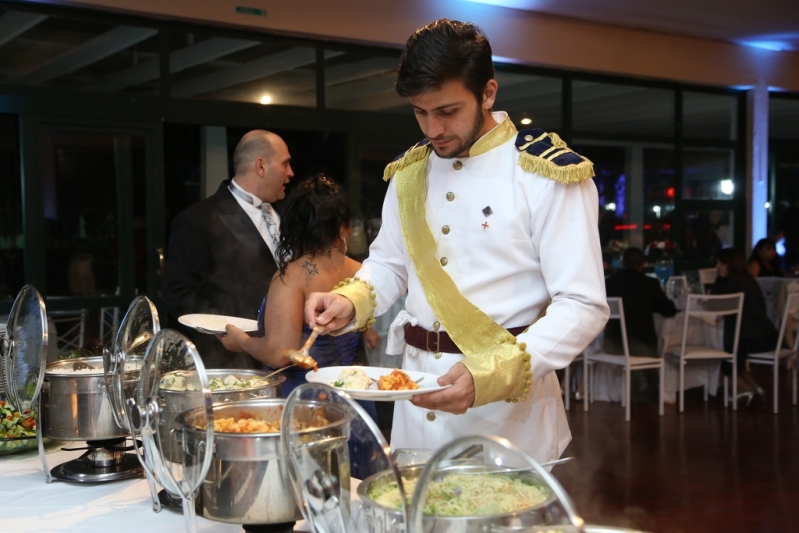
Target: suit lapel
{"x": 239, "y": 223}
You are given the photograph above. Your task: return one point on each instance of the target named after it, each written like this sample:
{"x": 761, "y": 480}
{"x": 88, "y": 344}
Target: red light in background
{"x": 666, "y": 226}
{"x": 625, "y": 227}
{"x": 670, "y": 192}
{"x": 647, "y": 226}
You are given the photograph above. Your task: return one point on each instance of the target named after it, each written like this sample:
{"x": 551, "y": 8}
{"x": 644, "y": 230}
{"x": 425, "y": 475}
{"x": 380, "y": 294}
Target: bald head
{"x": 254, "y": 144}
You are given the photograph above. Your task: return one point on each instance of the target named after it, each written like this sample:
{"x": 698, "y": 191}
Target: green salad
{"x": 13, "y": 425}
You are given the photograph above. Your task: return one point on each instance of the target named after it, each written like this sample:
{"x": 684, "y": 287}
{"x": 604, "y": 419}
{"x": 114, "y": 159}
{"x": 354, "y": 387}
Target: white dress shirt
{"x": 255, "y": 210}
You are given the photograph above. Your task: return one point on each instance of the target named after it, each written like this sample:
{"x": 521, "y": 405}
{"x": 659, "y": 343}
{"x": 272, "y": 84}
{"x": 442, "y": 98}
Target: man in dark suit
{"x": 642, "y": 297}
{"x": 221, "y": 251}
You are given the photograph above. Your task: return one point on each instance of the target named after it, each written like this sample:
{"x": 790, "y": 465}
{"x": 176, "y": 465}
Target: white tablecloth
{"x": 29, "y": 504}
{"x": 776, "y": 291}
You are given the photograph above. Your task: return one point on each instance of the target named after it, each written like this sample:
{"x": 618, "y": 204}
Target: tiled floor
{"x": 707, "y": 470}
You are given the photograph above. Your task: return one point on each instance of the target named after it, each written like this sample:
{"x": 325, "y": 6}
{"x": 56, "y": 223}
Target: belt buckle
{"x": 436, "y": 328}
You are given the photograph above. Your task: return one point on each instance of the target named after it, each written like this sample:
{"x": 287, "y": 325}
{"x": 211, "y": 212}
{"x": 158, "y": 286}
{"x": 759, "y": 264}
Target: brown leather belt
{"x": 439, "y": 341}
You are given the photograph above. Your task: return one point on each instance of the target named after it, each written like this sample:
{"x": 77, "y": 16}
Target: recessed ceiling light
{"x": 526, "y": 121}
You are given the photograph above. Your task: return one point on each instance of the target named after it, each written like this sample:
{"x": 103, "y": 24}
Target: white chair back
{"x": 707, "y": 276}
{"x": 617, "y": 313}
{"x": 710, "y": 307}
{"x": 789, "y": 328}
{"x": 70, "y": 329}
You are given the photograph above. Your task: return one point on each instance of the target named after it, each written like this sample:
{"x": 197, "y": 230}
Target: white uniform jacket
{"x": 515, "y": 243}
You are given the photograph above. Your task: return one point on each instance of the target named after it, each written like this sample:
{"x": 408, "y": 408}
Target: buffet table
{"x": 28, "y": 504}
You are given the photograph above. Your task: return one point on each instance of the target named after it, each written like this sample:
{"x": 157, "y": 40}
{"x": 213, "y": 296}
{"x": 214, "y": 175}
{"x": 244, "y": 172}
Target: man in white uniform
{"x": 493, "y": 233}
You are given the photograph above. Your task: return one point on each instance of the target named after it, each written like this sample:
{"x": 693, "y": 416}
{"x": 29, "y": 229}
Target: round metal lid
{"x": 490, "y": 484}
{"x": 179, "y": 463}
{"x": 25, "y": 349}
{"x": 328, "y": 439}
{"x": 137, "y": 330}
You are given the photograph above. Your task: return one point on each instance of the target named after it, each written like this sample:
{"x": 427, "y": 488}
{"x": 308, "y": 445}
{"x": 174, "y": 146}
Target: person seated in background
{"x": 764, "y": 261}
{"x": 642, "y": 297}
{"x": 311, "y": 257}
{"x": 758, "y": 333}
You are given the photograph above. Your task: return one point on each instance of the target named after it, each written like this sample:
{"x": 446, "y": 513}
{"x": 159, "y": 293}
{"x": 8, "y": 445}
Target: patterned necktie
{"x": 268, "y": 213}
{"x": 270, "y": 217}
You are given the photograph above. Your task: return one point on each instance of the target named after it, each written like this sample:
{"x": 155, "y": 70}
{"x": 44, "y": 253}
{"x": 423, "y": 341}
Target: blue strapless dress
{"x": 341, "y": 350}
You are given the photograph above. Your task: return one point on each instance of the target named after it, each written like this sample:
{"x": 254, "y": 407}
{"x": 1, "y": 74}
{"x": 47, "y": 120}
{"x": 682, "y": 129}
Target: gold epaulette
{"x": 547, "y": 154}
{"x": 415, "y": 153}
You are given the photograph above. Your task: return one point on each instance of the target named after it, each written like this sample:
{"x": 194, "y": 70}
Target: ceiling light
{"x": 526, "y": 121}
{"x": 610, "y": 206}
{"x": 726, "y": 186}
{"x": 266, "y": 99}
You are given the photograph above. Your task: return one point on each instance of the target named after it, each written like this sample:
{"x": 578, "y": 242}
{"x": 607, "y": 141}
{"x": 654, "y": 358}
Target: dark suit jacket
{"x": 641, "y": 297}
{"x": 218, "y": 263}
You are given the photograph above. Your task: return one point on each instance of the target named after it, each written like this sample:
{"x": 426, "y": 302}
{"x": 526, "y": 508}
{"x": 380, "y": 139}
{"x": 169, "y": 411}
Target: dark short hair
{"x": 633, "y": 258}
{"x": 442, "y": 51}
{"x": 311, "y": 218}
{"x": 734, "y": 260}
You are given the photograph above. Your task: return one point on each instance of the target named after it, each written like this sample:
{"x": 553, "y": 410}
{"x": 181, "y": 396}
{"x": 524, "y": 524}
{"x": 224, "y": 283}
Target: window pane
{"x": 611, "y": 183}
{"x": 532, "y": 98}
{"x": 11, "y": 241}
{"x": 81, "y": 174}
{"x": 659, "y": 195}
{"x": 363, "y": 82}
{"x": 708, "y": 175}
{"x": 79, "y": 54}
{"x": 603, "y": 108}
{"x": 707, "y": 232}
{"x": 710, "y": 116}
{"x": 783, "y": 120}
{"x": 242, "y": 70}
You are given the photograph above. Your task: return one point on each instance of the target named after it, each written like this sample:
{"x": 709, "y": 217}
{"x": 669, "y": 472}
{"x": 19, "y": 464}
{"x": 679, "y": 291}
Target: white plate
{"x": 216, "y": 323}
{"x": 328, "y": 375}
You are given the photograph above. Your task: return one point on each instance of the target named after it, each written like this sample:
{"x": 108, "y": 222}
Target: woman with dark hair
{"x": 764, "y": 261}
{"x": 311, "y": 257}
{"x": 758, "y": 334}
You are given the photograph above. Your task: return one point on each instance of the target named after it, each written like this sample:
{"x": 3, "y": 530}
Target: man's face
{"x": 276, "y": 173}
{"x": 451, "y": 118}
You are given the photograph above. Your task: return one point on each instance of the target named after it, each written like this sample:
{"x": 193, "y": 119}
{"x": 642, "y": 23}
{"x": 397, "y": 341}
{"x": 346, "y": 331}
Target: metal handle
{"x": 160, "y": 271}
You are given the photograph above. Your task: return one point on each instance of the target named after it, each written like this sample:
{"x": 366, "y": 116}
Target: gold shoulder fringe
{"x": 416, "y": 153}
{"x": 564, "y": 174}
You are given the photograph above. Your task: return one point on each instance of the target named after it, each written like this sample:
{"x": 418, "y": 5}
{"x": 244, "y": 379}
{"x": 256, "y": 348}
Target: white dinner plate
{"x": 328, "y": 375}
{"x": 216, "y": 323}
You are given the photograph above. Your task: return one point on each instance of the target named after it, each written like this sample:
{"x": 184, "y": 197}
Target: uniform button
{"x": 450, "y": 196}
{"x": 431, "y": 416}
{"x": 457, "y": 165}
{"x": 445, "y": 230}
{"x": 444, "y": 261}
{"x": 437, "y": 355}
{"x": 436, "y": 325}
{"x": 528, "y": 138}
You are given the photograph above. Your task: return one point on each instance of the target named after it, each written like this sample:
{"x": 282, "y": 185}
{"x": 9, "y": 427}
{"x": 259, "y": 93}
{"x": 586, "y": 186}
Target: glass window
{"x": 783, "y": 120}
{"x": 79, "y": 54}
{"x": 11, "y": 241}
{"x": 362, "y": 82}
{"x": 242, "y": 70}
{"x": 81, "y": 174}
{"x": 706, "y": 232}
{"x": 659, "y": 196}
{"x": 611, "y": 183}
{"x": 709, "y": 116}
{"x": 530, "y": 101}
{"x": 708, "y": 174}
{"x": 604, "y": 108}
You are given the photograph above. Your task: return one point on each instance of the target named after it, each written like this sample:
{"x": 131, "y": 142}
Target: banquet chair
{"x": 712, "y": 308}
{"x": 630, "y": 363}
{"x": 788, "y": 329}
{"x": 70, "y": 329}
{"x": 109, "y": 324}
{"x": 707, "y": 276}
{"x": 567, "y": 378}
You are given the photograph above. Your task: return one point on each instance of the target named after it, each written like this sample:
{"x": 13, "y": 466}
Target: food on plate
{"x": 177, "y": 381}
{"x": 249, "y": 423}
{"x": 396, "y": 380}
{"x": 13, "y": 425}
{"x": 465, "y": 495}
{"x": 353, "y": 378}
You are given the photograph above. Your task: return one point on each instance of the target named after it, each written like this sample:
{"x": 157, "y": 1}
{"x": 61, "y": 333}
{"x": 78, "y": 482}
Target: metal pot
{"x": 247, "y": 483}
{"x": 76, "y": 406}
{"x": 384, "y": 519}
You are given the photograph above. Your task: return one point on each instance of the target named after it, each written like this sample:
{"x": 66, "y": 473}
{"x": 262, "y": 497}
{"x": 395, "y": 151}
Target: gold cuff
{"x": 501, "y": 373}
{"x": 363, "y": 299}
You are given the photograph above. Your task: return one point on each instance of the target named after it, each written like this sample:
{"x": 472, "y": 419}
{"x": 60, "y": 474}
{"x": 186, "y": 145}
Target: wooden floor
{"x": 707, "y": 470}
